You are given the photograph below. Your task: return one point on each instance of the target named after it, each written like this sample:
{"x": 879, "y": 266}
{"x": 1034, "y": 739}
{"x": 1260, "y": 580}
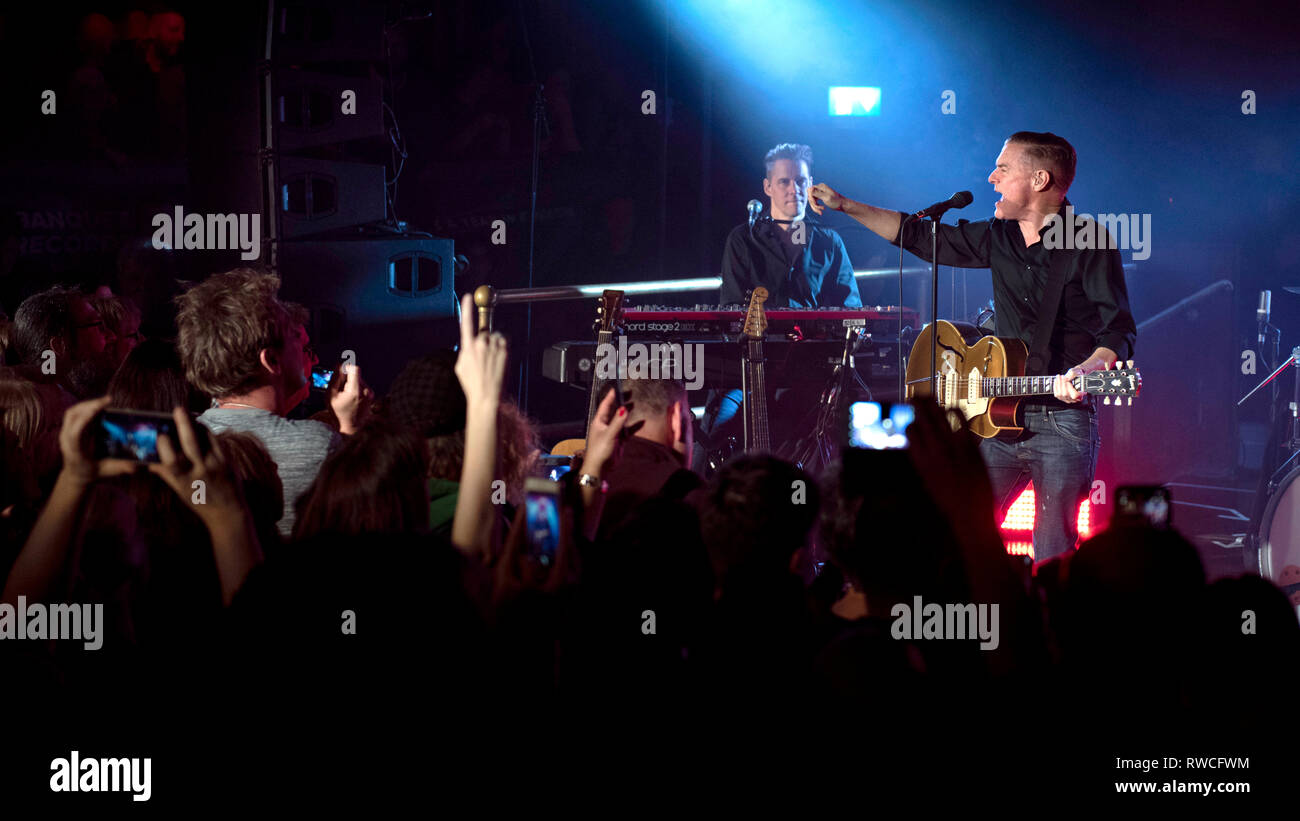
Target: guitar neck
{"x": 597, "y": 384}
{"x": 755, "y": 388}
{"x": 1021, "y": 385}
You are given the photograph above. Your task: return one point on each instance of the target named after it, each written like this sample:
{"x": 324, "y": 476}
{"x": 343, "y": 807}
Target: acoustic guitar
{"x": 986, "y": 380}
{"x": 609, "y": 316}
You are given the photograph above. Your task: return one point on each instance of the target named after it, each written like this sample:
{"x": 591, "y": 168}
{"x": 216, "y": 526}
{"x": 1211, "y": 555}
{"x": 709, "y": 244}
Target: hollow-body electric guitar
{"x": 986, "y": 381}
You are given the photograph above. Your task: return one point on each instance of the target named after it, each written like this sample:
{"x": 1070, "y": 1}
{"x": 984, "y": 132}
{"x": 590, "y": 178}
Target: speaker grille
{"x": 414, "y": 275}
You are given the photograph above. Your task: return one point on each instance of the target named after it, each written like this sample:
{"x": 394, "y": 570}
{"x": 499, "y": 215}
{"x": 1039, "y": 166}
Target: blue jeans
{"x": 1058, "y": 452}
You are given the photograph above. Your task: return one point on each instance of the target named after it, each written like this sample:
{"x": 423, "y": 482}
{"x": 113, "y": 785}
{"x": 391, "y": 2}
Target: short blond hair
{"x": 21, "y": 410}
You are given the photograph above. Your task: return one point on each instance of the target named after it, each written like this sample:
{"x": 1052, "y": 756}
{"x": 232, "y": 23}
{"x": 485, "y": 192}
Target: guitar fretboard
{"x": 1016, "y": 385}
{"x": 755, "y": 396}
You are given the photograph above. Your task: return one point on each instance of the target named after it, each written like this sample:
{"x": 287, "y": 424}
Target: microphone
{"x": 755, "y": 208}
{"x": 1263, "y": 312}
{"x": 959, "y": 200}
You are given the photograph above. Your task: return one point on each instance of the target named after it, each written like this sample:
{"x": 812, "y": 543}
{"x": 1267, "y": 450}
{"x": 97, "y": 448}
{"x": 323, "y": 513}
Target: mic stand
{"x": 934, "y": 306}
{"x": 818, "y": 450}
{"x": 541, "y": 130}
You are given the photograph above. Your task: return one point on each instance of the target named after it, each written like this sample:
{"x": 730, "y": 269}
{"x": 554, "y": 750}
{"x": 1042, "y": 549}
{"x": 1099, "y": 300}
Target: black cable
{"x": 902, "y": 375}
{"x": 539, "y": 126}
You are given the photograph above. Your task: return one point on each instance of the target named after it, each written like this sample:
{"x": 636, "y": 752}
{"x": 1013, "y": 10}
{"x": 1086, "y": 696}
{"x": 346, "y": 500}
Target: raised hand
{"x": 947, "y": 457}
{"x": 221, "y": 505}
{"x": 222, "y": 502}
{"x": 351, "y": 404}
{"x": 516, "y": 572}
{"x": 602, "y": 439}
{"x": 79, "y": 462}
{"x": 481, "y": 365}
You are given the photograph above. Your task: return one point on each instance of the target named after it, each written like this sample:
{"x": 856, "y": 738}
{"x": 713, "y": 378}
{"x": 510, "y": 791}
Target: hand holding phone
{"x": 76, "y": 444}
{"x": 542, "y": 520}
{"x": 1149, "y": 505}
{"x": 539, "y": 552}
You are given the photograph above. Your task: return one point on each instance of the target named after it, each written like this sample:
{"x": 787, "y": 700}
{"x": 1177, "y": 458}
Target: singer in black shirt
{"x": 801, "y": 264}
{"x": 1094, "y": 326}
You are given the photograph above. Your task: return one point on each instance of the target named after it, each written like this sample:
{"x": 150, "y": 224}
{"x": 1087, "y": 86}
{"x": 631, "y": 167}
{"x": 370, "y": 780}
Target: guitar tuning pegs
{"x": 1106, "y": 401}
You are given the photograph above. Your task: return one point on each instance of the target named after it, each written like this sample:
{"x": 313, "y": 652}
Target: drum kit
{"x": 1273, "y": 540}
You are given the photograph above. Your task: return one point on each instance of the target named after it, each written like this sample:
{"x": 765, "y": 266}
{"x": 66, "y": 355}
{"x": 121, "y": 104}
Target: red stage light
{"x": 1019, "y": 523}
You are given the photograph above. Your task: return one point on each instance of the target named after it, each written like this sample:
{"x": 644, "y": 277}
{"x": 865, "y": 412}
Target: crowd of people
{"x": 370, "y": 568}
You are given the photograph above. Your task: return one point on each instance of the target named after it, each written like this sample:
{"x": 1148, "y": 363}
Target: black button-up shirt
{"x": 1094, "y": 310}
{"x": 820, "y": 275}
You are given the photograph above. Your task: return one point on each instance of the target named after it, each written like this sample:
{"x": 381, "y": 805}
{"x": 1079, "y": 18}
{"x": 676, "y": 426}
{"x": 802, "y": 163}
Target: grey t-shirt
{"x": 298, "y": 447}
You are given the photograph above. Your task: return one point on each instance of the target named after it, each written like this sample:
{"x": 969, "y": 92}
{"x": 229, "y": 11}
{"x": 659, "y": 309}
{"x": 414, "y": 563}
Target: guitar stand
{"x": 817, "y": 450}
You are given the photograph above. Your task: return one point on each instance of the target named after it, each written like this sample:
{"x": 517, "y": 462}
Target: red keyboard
{"x": 799, "y": 322}
{"x": 736, "y": 313}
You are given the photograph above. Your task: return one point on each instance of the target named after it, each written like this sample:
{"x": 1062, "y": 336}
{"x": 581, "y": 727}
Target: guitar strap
{"x": 1058, "y": 271}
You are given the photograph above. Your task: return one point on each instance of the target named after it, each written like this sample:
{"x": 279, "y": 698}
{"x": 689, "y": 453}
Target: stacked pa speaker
{"x": 294, "y": 129}
{"x": 372, "y": 288}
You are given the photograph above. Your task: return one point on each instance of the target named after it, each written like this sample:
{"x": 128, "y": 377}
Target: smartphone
{"x": 1148, "y": 504}
{"x": 879, "y": 425}
{"x": 131, "y": 434}
{"x": 553, "y": 467}
{"x": 320, "y": 378}
{"x": 542, "y": 519}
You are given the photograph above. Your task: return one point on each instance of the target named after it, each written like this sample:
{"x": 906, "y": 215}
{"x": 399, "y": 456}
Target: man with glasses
{"x": 61, "y": 340}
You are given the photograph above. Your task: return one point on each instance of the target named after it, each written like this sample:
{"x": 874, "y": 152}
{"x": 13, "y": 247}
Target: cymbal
{"x": 1292, "y": 289}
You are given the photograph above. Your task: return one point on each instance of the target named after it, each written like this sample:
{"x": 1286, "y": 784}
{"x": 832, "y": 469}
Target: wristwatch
{"x": 590, "y": 480}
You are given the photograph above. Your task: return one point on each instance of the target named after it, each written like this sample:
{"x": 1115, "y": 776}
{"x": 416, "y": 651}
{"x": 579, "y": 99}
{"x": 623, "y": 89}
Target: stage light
{"x": 854, "y": 101}
{"x": 1019, "y": 521}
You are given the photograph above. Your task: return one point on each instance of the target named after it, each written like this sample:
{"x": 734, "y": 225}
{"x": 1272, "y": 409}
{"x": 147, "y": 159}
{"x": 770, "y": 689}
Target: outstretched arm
{"x": 481, "y": 369}
{"x": 882, "y": 221}
{"x": 220, "y": 504}
{"x": 46, "y": 551}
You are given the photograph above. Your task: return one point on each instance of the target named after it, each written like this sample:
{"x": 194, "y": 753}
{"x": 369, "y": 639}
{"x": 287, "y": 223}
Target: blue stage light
{"x": 854, "y": 101}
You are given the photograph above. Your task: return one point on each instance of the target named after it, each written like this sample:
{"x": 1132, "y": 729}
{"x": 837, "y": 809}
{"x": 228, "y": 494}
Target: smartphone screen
{"x": 879, "y": 425}
{"x": 128, "y": 434}
{"x": 1150, "y": 504}
{"x": 320, "y": 378}
{"x": 542, "y": 518}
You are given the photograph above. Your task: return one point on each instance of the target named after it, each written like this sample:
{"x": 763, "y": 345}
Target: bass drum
{"x": 1279, "y": 537}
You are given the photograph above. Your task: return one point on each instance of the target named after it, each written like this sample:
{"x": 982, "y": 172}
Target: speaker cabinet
{"x": 387, "y": 300}
{"x": 316, "y": 196}
{"x": 307, "y": 108}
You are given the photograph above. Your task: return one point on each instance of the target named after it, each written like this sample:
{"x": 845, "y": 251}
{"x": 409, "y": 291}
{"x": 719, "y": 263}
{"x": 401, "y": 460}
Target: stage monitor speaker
{"x": 308, "y": 108}
{"x": 387, "y": 300}
{"x": 327, "y": 31}
{"x": 315, "y": 196}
